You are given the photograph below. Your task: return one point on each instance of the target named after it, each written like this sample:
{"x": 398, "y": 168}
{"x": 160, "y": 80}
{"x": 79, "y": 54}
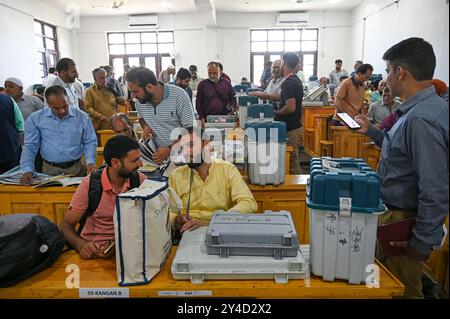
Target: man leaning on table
{"x": 62, "y": 134}
{"x": 123, "y": 158}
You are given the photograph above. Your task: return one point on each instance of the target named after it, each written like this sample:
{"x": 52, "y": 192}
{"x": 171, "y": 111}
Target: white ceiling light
{"x": 333, "y": 1}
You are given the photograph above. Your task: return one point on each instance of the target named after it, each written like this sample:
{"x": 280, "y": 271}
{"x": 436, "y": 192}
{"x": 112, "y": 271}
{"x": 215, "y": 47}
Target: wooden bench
{"x": 311, "y": 138}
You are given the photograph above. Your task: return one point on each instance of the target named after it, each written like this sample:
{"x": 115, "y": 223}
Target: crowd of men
{"x": 55, "y": 133}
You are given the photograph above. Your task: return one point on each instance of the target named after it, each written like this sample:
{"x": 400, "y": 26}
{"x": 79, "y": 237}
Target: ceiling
{"x": 284, "y": 5}
{"x": 104, "y": 7}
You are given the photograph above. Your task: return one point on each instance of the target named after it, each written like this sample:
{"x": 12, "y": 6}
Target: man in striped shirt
{"x": 414, "y": 165}
{"x": 162, "y": 108}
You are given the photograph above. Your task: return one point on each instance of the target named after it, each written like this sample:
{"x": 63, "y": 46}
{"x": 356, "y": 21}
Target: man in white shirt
{"x": 52, "y": 74}
{"x": 67, "y": 74}
{"x": 272, "y": 93}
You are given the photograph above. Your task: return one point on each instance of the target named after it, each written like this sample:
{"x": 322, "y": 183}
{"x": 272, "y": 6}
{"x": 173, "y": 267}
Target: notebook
{"x": 398, "y": 231}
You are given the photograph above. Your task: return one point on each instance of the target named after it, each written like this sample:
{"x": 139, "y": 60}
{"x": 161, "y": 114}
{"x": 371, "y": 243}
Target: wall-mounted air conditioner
{"x": 143, "y": 21}
{"x": 293, "y": 18}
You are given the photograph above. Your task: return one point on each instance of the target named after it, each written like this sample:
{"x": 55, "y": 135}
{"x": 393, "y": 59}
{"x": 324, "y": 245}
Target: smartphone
{"x": 349, "y": 121}
{"x": 109, "y": 247}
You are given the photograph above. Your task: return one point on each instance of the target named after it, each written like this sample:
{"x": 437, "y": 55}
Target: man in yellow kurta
{"x": 216, "y": 184}
{"x": 100, "y": 103}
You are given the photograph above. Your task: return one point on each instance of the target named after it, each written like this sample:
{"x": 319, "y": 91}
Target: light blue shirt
{"x": 60, "y": 140}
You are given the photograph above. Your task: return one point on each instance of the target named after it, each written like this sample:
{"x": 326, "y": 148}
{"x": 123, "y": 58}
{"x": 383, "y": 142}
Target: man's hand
{"x": 26, "y": 178}
{"x": 260, "y": 95}
{"x": 89, "y": 251}
{"x": 180, "y": 220}
{"x": 81, "y": 104}
{"x": 193, "y": 224}
{"x": 184, "y": 222}
{"x": 364, "y": 122}
{"x": 411, "y": 253}
{"x": 148, "y": 133}
{"x": 90, "y": 169}
{"x": 161, "y": 154}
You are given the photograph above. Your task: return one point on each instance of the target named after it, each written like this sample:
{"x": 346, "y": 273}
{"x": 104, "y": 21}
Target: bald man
{"x": 27, "y": 103}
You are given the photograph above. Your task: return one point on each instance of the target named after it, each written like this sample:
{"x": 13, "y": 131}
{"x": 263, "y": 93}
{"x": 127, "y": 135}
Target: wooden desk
{"x": 290, "y": 196}
{"x": 52, "y": 202}
{"x": 347, "y": 143}
{"x": 51, "y": 283}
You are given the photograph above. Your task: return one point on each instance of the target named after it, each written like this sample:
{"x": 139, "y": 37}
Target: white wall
{"x": 229, "y": 42}
{"x": 18, "y": 55}
{"x": 195, "y": 42}
{"x": 410, "y": 18}
{"x": 235, "y": 39}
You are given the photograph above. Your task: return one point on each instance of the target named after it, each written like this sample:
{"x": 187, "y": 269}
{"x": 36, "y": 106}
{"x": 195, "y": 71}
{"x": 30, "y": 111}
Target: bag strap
{"x": 95, "y": 195}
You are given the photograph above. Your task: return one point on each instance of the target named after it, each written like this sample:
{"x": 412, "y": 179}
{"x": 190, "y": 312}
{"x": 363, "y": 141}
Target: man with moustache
{"x": 213, "y": 184}
{"x": 162, "y": 108}
{"x": 215, "y": 95}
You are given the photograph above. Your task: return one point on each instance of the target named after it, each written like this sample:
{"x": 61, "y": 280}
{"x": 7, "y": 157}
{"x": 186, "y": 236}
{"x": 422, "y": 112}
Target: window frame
{"x": 268, "y": 53}
{"x": 45, "y": 63}
{"x": 125, "y": 56}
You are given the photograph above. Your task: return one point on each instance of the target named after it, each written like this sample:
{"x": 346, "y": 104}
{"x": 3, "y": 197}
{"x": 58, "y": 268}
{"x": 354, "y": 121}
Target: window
{"x": 148, "y": 48}
{"x": 47, "y": 44}
{"x": 270, "y": 44}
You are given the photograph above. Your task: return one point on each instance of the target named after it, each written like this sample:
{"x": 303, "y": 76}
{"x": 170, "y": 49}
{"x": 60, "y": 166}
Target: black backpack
{"x": 96, "y": 191}
{"x": 29, "y": 243}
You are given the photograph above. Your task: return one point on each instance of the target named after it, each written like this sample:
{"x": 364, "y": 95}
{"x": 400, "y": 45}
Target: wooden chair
{"x": 104, "y": 136}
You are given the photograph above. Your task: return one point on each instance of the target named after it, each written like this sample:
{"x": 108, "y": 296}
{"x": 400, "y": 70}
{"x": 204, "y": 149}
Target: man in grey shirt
{"x": 27, "y": 103}
{"x": 381, "y": 109}
{"x": 414, "y": 164}
{"x": 336, "y": 75}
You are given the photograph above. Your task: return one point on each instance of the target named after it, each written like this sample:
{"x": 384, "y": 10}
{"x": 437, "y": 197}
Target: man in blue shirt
{"x": 63, "y": 134}
{"x": 414, "y": 165}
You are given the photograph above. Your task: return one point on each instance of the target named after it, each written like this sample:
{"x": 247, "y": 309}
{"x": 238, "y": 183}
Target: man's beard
{"x": 196, "y": 163}
{"x": 123, "y": 173}
{"x": 148, "y": 98}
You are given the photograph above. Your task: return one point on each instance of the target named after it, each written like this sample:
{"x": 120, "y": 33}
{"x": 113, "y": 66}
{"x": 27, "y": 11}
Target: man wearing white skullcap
{"x": 27, "y": 103}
